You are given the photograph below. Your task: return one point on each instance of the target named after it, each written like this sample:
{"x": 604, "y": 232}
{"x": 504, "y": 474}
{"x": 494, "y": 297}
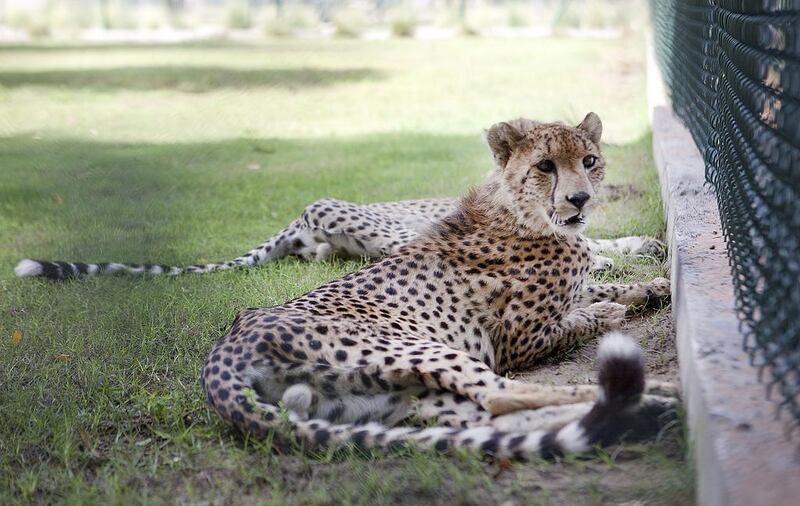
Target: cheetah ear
{"x": 502, "y": 139}
{"x": 592, "y": 125}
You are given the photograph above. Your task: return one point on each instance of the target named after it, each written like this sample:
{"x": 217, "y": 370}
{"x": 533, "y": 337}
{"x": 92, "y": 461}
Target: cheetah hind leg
{"x": 324, "y": 251}
{"x": 617, "y": 413}
{"x": 525, "y": 396}
{"x": 448, "y": 409}
{"x": 639, "y": 245}
{"x": 553, "y": 418}
{"x": 458, "y": 372}
{"x": 353, "y": 230}
{"x": 456, "y": 411}
{"x": 533, "y": 396}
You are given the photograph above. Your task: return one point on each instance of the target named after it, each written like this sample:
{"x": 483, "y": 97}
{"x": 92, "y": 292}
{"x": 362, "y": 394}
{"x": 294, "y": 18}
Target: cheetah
{"x": 331, "y": 227}
{"x": 428, "y": 332}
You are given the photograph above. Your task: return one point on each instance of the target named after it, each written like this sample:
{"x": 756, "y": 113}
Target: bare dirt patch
{"x": 652, "y": 330}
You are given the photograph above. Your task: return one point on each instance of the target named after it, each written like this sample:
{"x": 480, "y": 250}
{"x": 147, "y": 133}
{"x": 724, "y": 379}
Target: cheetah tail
{"x": 278, "y": 246}
{"x": 618, "y": 412}
{"x": 60, "y": 271}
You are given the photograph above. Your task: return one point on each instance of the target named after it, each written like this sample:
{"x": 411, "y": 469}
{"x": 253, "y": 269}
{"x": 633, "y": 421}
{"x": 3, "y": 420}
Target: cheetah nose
{"x": 578, "y": 199}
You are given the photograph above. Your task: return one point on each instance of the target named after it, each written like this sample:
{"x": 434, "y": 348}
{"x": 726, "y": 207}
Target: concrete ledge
{"x": 742, "y": 454}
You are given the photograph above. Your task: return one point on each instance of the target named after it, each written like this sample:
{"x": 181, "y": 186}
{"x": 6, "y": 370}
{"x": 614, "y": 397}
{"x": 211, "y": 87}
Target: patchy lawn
{"x": 186, "y": 154}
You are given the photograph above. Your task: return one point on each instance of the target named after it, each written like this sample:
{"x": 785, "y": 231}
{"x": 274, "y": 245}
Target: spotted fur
{"x": 429, "y": 330}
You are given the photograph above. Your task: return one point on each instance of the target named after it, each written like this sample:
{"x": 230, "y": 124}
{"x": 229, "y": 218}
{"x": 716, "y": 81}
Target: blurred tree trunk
{"x": 105, "y": 15}
{"x": 380, "y": 9}
{"x": 560, "y": 11}
{"x": 174, "y": 7}
{"x": 323, "y": 10}
{"x": 279, "y": 8}
{"x": 462, "y": 10}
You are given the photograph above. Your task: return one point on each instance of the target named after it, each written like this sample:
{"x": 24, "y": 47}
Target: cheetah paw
{"x": 658, "y": 287}
{"x": 656, "y": 293}
{"x": 661, "y": 388}
{"x": 600, "y": 263}
{"x": 323, "y": 252}
{"x": 651, "y": 247}
{"x": 609, "y": 315}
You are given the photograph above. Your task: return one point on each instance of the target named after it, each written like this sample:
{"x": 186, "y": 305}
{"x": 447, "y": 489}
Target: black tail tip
{"x": 620, "y": 412}
{"x": 621, "y": 368}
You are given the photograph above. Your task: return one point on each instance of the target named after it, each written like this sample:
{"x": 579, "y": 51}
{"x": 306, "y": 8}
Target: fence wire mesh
{"x": 732, "y": 69}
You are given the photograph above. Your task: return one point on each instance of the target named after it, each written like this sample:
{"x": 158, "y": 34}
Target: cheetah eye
{"x": 589, "y": 161}
{"x": 546, "y": 166}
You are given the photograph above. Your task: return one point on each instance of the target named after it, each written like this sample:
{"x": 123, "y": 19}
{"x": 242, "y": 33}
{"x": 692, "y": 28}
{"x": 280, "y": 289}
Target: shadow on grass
{"x": 185, "y": 78}
{"x": 184, "y": 203}
{"x": 188, "y": 203}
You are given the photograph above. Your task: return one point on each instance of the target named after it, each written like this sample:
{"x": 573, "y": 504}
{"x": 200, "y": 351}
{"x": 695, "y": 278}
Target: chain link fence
{"x": 732, "y": 69}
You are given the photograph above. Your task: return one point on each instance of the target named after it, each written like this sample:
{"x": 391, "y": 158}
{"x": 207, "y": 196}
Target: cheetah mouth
{"x": 573, "y": 221}
{"x": 578, "y": 219}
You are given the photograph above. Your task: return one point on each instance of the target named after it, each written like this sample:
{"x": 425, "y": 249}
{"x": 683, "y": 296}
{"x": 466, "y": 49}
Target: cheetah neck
{"x": 489, "y": 209}
{"x": 483, "y": 238}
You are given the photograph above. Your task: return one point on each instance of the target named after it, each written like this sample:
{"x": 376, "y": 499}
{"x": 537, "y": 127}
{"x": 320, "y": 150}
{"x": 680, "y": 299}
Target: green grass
{"x": 197, "y": 153}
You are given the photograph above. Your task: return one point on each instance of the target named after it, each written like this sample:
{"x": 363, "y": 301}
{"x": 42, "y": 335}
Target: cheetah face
{"x": 547, "y": 173}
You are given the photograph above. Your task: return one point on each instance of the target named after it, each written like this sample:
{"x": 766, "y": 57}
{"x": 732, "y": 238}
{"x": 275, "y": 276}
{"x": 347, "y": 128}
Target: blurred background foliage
{"x": 22, "y": 20}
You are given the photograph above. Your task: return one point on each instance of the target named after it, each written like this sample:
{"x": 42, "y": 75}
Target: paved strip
{"x": 742, "y": 453}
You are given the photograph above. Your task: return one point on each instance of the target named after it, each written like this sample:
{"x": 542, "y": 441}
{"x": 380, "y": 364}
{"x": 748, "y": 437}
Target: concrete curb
{"x": 742, "y": 454}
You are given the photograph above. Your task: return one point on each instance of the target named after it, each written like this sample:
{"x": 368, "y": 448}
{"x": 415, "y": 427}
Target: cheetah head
{"x": 547, "y": 173}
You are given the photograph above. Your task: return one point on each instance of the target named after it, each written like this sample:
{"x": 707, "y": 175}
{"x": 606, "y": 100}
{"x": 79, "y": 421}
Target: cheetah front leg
{"x": 637, "y": 294}
{"x": 584, "y": 322}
